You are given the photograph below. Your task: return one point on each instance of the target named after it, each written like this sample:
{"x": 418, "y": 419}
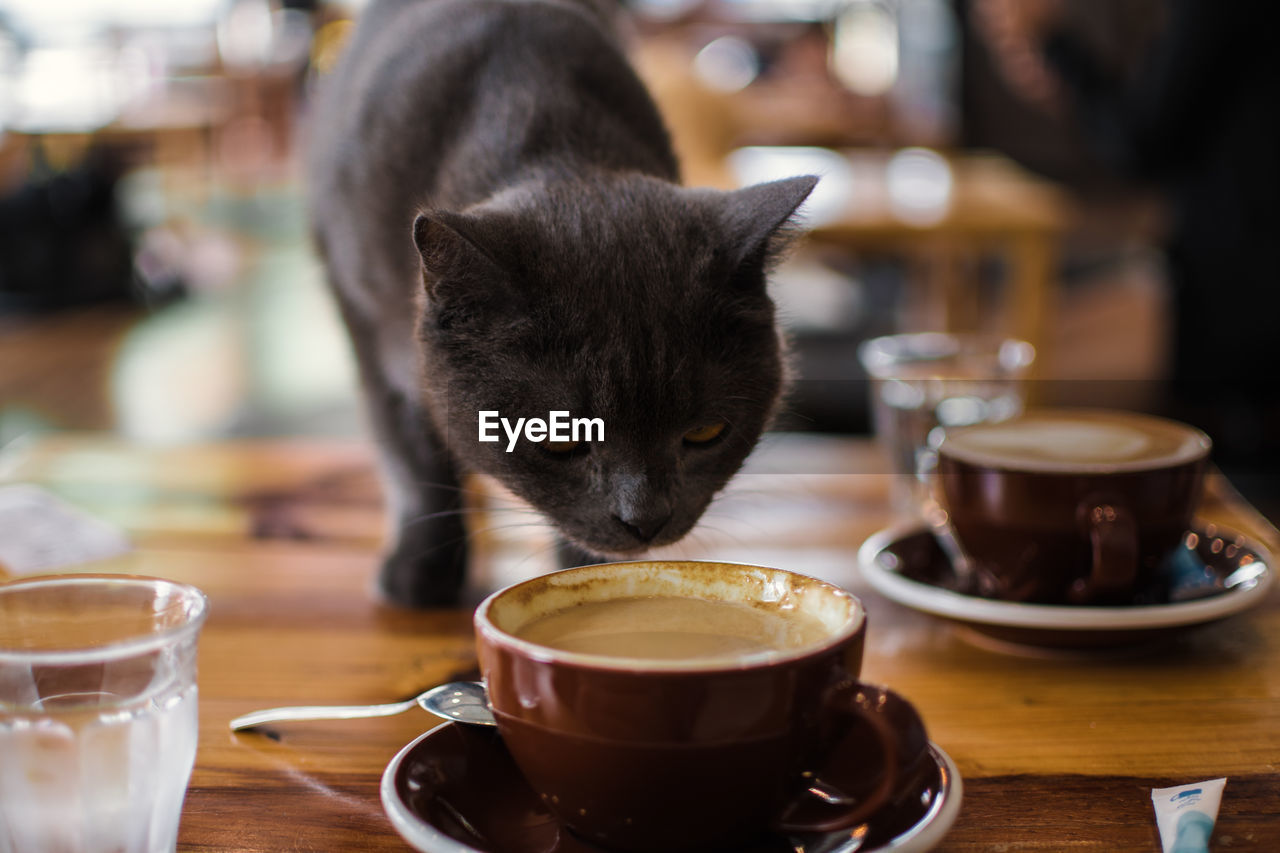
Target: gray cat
{"x": 497, "y": 203}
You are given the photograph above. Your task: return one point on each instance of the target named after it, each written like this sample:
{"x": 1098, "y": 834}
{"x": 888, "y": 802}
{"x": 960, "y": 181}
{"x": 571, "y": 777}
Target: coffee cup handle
{"x": 865, "y": 720}
{"x": 1113, "y": 537}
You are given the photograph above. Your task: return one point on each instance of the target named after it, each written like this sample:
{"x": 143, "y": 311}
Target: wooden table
{"x": 1057, "y": 752}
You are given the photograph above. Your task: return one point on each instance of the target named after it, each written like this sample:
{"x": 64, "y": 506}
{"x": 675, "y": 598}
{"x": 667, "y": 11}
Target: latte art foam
{"x": 1077, "y": 440}
{"x": 662, "y": 627}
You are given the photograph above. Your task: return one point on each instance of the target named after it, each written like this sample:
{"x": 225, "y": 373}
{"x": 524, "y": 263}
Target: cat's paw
{"x": 423, "y": 574}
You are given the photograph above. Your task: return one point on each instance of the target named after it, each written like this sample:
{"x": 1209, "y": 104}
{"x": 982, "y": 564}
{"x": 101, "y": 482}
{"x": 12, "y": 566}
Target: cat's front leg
{"x": 425, "y": 557}
{"x": 425, "y": 552}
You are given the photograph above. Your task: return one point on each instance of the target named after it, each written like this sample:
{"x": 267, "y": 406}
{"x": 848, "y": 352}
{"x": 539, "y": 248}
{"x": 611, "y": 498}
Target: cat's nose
{"x": 644, "y": 527}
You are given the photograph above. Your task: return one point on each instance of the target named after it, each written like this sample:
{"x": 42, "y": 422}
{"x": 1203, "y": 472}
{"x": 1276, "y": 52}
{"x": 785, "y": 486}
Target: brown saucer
{"x": 456, "y": 790}
{"x": 1213, "y": 573}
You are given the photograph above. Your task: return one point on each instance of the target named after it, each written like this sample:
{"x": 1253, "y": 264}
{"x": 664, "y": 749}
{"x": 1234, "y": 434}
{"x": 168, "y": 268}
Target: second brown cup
{"x": 682, "y": 706}
{"x": 1071, "y": 506}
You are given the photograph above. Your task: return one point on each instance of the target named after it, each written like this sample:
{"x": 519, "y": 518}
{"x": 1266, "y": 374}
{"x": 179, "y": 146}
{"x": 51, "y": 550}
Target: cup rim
{"x": 195, "y": 605}
{"x": 1197, "y": 447}
{"x": 880, "y": 356}
{"x": 485, "y": 626}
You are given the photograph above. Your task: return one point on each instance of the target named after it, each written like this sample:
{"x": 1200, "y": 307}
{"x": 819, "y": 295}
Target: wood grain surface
{"x": 1058, "y": 751}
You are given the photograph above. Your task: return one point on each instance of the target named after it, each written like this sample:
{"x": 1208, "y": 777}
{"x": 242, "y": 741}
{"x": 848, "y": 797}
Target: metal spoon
{"x": 461, "y": 701}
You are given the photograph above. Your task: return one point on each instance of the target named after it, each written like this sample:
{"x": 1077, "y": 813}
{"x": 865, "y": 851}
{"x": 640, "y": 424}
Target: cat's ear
{"x": 452, "y": 247}
{"x": 755, "y": 218}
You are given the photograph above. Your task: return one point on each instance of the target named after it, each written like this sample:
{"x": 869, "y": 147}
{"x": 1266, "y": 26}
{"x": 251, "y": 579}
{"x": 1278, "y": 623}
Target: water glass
{"x": 97, "y": 712}
{"x": 925, "y": 382}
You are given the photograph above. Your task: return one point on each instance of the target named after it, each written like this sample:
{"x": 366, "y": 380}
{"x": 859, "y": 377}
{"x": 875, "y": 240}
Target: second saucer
{"x": 906, "y": 564}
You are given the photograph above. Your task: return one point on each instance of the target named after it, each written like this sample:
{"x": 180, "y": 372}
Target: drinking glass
{"x": 97, "y": 712}
{"x": 923, "y": 383}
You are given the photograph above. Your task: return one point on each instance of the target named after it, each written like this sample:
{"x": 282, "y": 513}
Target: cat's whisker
{"x": 538, "y": 553}
{"x": 475, "y": 491}
{"x": 697, "y": 538}
{"x": 505, "y": 506}
{"x": 792, "y": 411}
{"x": 502, "y": 528}
{"x": 745, "y": 492}
{"x": 470, "y": 535}
{"x": 720, "y": 532}
{"x": 517, "y": 509}
{"x": 450, "y": 487}
{"x": 445, "y": 513}
{"x": 713, "y": 515}
{"x": 513, "y": 506}
{"x": 793, "y": 414}
{"x": 738, "y": 492}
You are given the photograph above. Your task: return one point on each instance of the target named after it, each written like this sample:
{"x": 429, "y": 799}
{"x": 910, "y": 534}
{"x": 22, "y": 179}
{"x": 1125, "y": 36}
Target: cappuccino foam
{"x": 1082, "y": 440}
{"x": 664, "y": 627}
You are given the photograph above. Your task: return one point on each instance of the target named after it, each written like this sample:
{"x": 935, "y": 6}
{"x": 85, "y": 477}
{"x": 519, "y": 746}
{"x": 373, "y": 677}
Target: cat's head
{"x": 629, "y": 301}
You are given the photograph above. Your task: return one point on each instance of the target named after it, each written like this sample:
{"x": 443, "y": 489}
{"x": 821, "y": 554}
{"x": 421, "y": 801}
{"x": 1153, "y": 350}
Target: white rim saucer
{"x": 985, "y": 611}
{"x": 926, "y": 834}
{"x": 421, "y": 835}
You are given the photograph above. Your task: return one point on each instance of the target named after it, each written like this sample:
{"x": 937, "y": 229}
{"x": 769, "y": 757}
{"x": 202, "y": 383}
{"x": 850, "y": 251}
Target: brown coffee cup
{"x": 1071, "y": 506}
{"x": 697, "y": 751}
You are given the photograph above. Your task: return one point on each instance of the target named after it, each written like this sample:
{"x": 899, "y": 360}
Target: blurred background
{"x": 1095, "y": 176}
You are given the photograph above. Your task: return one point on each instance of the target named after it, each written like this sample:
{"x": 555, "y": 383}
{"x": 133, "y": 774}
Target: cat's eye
{"x": 705, "y": 434}
{"x": 561, "y": 448}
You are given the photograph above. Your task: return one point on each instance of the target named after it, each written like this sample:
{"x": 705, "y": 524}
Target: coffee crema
{"x": 662, "y": 627}
{"x": 1077, "y": 440}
